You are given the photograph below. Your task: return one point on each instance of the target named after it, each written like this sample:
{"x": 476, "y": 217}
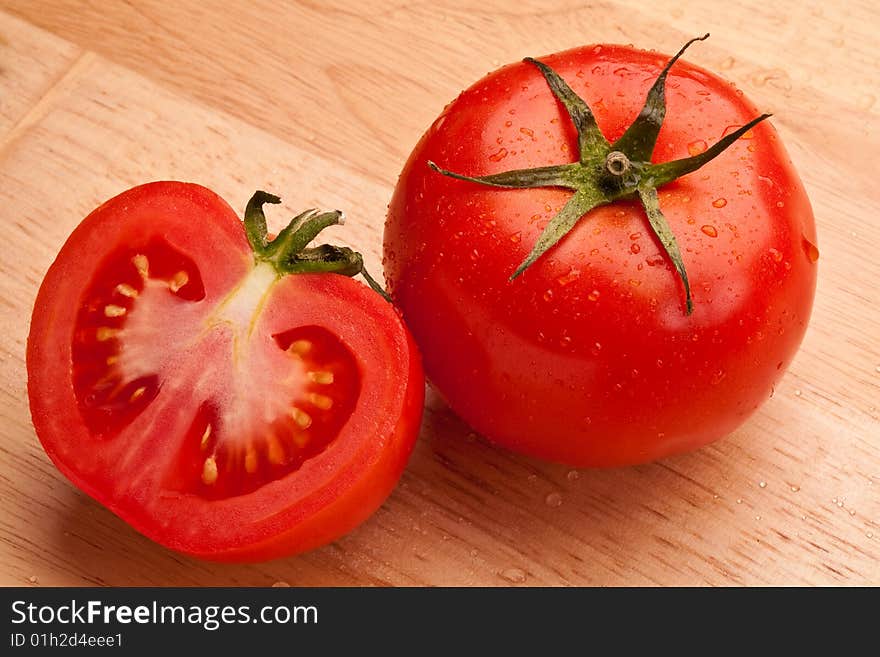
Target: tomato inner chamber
{"x": 110, "y": 395}
{"x": 243, "y": 409}
{"x": 223, "y": 456}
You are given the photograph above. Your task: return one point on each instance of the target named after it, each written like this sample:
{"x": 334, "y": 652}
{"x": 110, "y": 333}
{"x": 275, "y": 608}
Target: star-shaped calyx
{"x": 289, "y": 252}
{"x": 607, "y": 172}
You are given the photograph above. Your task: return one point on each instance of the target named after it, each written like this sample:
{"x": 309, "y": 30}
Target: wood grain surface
{"x": 321, "y": 102}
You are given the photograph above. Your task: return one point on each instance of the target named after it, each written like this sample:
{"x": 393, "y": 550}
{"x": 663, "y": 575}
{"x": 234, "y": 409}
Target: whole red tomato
{"x": 231, "y": 397}
{"x": 645, "y": 326}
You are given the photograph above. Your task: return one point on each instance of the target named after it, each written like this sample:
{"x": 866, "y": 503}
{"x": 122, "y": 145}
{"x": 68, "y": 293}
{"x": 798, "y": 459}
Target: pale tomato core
{"x": 278, "y": 400}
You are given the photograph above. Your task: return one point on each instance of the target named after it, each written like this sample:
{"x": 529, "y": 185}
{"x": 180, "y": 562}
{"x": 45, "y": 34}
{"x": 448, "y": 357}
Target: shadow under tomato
{"x": 465, "y": 513}
{"x": 556, "y": 524}
{"x": 96, "y": 547}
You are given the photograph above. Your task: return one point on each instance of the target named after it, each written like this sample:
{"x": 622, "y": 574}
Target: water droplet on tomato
{"x": 795, "y": 489}
{"x": 280, "y": 585}
{"x": 655, "y": 260}
{"x": 596, "y": 348}
{"x": 762, "y": 484}
{"x": 711, "y": 231}
{"x": 717, "y": 377}
{"x": 811, "y": 250}
{"x": 780, "y": 204}
{"x": 514, "y": 575}
{"x": 553, "y": 499}
{"x": 621, "y": 71}
{"x": 719, "y": 202}
{"x": 697, "y": 147}
{"x": 573, "y": 475}
{"x": 570, "y": 277}
{"x": 516, "y": 237}
{"x": 548, "y": 295}
{"x": 508, "y": 123}
{"x": 528, "y": 133}
{"x": 498, "y": 155}
{"x": 635, "y": 236}
{"x": 775, "y": 254}
{"x": 634, "y": 247}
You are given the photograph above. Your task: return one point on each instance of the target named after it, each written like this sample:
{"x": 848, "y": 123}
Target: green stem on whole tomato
{"x": 605, "y": 172}
{"x": 289, "y": 252}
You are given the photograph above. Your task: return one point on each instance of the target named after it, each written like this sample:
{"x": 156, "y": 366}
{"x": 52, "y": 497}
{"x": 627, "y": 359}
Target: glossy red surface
{"x": 589, "y": 357}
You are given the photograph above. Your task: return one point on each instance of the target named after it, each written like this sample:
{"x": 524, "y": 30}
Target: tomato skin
{"x": 137, "y": 474}
{"x": 589, "y": 358}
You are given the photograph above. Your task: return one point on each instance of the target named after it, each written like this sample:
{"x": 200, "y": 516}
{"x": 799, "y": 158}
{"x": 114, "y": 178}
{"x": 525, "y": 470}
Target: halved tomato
{"x": 229, "y": 401}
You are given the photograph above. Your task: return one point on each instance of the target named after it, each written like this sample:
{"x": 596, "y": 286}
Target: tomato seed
{"x": 209, "y": 471}
{"x": 141, "y": 263}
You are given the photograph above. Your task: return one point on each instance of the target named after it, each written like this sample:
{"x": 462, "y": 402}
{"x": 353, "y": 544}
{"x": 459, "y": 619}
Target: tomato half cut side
{"x": 208, "y": 387}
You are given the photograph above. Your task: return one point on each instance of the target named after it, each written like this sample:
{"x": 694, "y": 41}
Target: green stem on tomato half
{"x": 289, "y": 252}
{"x": 606, "y": 172}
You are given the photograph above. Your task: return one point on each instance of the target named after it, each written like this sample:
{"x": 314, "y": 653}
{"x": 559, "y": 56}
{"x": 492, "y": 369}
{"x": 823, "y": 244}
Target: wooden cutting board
{"x": 321, "y": 103}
